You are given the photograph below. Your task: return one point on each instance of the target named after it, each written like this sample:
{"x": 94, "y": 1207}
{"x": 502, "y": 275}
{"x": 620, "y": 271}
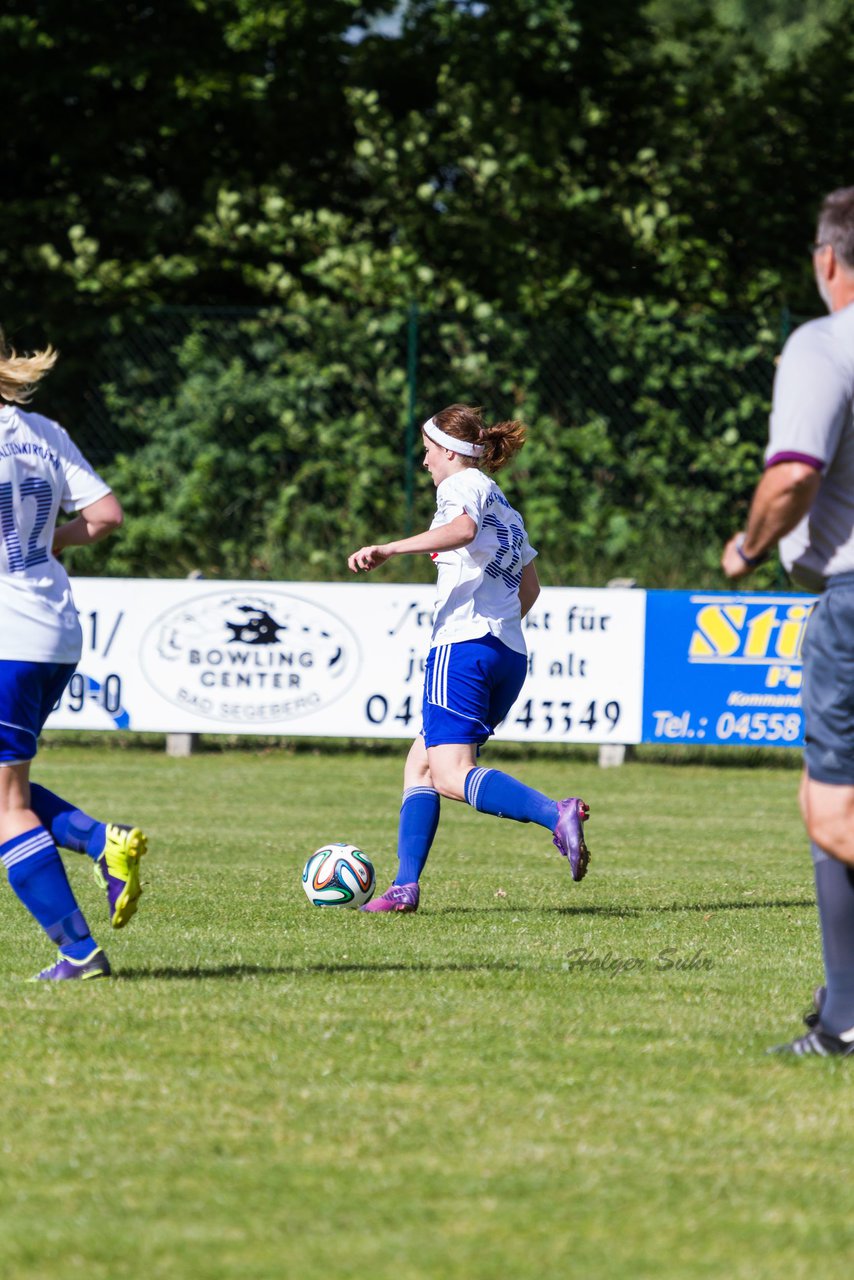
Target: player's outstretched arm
{"x": 457, "y": 533}
{"x": 89, "y": 525}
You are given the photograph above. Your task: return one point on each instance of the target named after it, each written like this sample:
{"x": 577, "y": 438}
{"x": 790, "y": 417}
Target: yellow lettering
{"x": 718, "y": 631}
{"x": 789, "y": 677}
{"x": 791, "y": 637}
{"x": 759, "y": 633}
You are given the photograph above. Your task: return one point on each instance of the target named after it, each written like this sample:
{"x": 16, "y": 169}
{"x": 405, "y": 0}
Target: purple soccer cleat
{"x": 399, "y": 897}
{"x": 96, "y": 965}
{"x": 569, "y": 837}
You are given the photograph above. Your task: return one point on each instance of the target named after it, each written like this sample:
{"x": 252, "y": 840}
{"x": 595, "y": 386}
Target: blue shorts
{"x": 28, "y": 693}
{"x": 827, "y": 695}
{"x": 469, "y": 687}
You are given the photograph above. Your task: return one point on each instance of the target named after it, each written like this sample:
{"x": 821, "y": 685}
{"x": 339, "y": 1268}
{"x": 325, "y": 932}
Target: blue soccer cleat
{"x": 95, "y": 965}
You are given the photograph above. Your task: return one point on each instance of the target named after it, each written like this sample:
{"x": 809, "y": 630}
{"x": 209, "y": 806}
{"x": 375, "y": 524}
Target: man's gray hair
{"x": 836, "y": 225}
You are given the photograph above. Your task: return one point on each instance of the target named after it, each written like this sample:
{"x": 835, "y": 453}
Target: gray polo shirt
{"x": 812, "y": 421}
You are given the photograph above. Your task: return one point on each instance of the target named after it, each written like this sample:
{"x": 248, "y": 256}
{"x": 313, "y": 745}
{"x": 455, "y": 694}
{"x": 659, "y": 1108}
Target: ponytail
{"x": 498, "y": 442}
{"x": 19, "y": 375}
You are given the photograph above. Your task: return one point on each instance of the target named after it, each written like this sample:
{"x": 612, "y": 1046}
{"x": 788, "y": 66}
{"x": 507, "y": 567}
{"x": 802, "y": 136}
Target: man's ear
{"x": 832, "y": 264}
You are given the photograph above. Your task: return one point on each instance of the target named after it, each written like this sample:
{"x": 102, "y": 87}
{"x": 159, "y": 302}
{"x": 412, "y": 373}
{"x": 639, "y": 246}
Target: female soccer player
{"x": 477, "y": 661}
{"x": 41, "y": 471}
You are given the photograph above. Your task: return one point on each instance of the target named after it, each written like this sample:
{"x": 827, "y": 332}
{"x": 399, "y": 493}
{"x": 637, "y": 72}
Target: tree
{"x": 600, "y": 183}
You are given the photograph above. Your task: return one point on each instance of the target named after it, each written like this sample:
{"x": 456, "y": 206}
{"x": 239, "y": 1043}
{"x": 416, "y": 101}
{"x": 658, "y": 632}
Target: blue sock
{"x": 490, "y": 791}
{"x": 834, "y": 888}
{"x": 71, "y": 828}
{"x": 419, "y": 818}
{"x": 37, "y": 876}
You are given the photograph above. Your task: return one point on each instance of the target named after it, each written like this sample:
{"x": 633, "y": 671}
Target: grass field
{"x": 529, "y": 1078}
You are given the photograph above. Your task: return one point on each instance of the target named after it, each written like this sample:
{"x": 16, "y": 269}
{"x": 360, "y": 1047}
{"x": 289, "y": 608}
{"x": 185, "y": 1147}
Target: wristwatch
{"x": 750, "y": 561}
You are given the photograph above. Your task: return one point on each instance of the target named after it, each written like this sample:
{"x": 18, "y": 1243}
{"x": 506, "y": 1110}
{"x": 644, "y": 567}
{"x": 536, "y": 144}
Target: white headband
{"x": 450, "y": 442}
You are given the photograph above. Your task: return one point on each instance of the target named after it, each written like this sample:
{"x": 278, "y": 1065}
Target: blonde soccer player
{"x": 41, "y": 473}
{"x": 477, "y": 662}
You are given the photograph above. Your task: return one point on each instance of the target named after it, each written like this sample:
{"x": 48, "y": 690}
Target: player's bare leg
{"x": 828, "y": 812}
{"x": 450, "y": 765}
{"x": 416, "y": 771}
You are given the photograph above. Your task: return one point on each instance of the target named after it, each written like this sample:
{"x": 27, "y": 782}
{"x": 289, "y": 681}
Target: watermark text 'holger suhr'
{"x": 668, "y": 960}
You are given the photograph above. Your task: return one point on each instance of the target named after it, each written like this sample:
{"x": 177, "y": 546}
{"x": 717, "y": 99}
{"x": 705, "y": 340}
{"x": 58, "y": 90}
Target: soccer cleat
{"x": 817, "y": 1042}
{"x": 117, "y": 871}
{"x": 399, "y": 897}
{"x": 96, "y": 965}
{"x": 569, "y": 837}
{"x": 812, "y": 1015}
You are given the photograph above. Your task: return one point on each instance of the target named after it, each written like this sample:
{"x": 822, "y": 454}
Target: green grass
{"x": 270, "y": 1090}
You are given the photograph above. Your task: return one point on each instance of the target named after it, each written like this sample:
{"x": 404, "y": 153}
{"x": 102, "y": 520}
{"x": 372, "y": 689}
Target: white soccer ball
{"x": 339, "y": 875}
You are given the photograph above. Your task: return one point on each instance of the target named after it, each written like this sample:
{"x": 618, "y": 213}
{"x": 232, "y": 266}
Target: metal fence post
{"x": 184, "y": 744}
{"x": 412, "y": 387}
{"x": 613, "y": 754}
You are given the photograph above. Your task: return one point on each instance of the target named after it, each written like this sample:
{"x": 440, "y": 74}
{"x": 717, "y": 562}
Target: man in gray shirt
{"x": 805, "y": 501}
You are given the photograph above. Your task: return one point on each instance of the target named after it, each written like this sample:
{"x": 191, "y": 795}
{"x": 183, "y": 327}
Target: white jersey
{"x": 478, "y": 587}
{"x": 41, "y": 472}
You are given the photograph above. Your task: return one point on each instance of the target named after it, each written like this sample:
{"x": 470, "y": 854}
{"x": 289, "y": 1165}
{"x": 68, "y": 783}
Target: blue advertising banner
{"x": 724, "y": 668}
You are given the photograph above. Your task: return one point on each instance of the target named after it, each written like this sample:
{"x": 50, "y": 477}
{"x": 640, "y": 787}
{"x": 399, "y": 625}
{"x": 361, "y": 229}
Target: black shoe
{"x": 817, "y": 1042}
{"x": 812, "y": 1015}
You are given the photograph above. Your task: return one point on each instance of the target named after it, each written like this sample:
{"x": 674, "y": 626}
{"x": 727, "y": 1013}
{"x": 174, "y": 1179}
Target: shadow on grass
{"x": 196, "y": 971}
{"x": 617, "y": 912}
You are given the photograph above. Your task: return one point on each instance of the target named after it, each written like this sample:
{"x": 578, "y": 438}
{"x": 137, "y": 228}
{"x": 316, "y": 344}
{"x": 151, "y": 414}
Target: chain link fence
{"x": 597, "y": 364}
{"x": 646, "y": 426}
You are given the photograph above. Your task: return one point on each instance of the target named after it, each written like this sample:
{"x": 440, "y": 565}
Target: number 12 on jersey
{"x": 33, "y": 487}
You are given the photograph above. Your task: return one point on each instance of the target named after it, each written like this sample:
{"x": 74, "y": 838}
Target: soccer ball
{"x": 339, "y": 875}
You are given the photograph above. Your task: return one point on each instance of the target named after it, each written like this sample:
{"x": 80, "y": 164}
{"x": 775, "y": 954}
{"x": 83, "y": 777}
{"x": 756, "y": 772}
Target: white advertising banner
{"x": 334, "y": 660}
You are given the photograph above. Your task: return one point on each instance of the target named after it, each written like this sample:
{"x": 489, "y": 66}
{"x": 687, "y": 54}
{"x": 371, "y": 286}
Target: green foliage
{"x": 783, "y": 32}
{"x": 262, "y": 451}
{"x": 522, "y": 171}
{"x": 274, "y": 444}
{"x": 645, "y": 435}
{"x": 536, "y": 155}
{"x": 132, "y": 119}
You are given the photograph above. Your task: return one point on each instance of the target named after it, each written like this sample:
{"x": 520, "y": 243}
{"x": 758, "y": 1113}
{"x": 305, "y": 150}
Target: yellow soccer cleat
{"x": 117, "y": 871}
